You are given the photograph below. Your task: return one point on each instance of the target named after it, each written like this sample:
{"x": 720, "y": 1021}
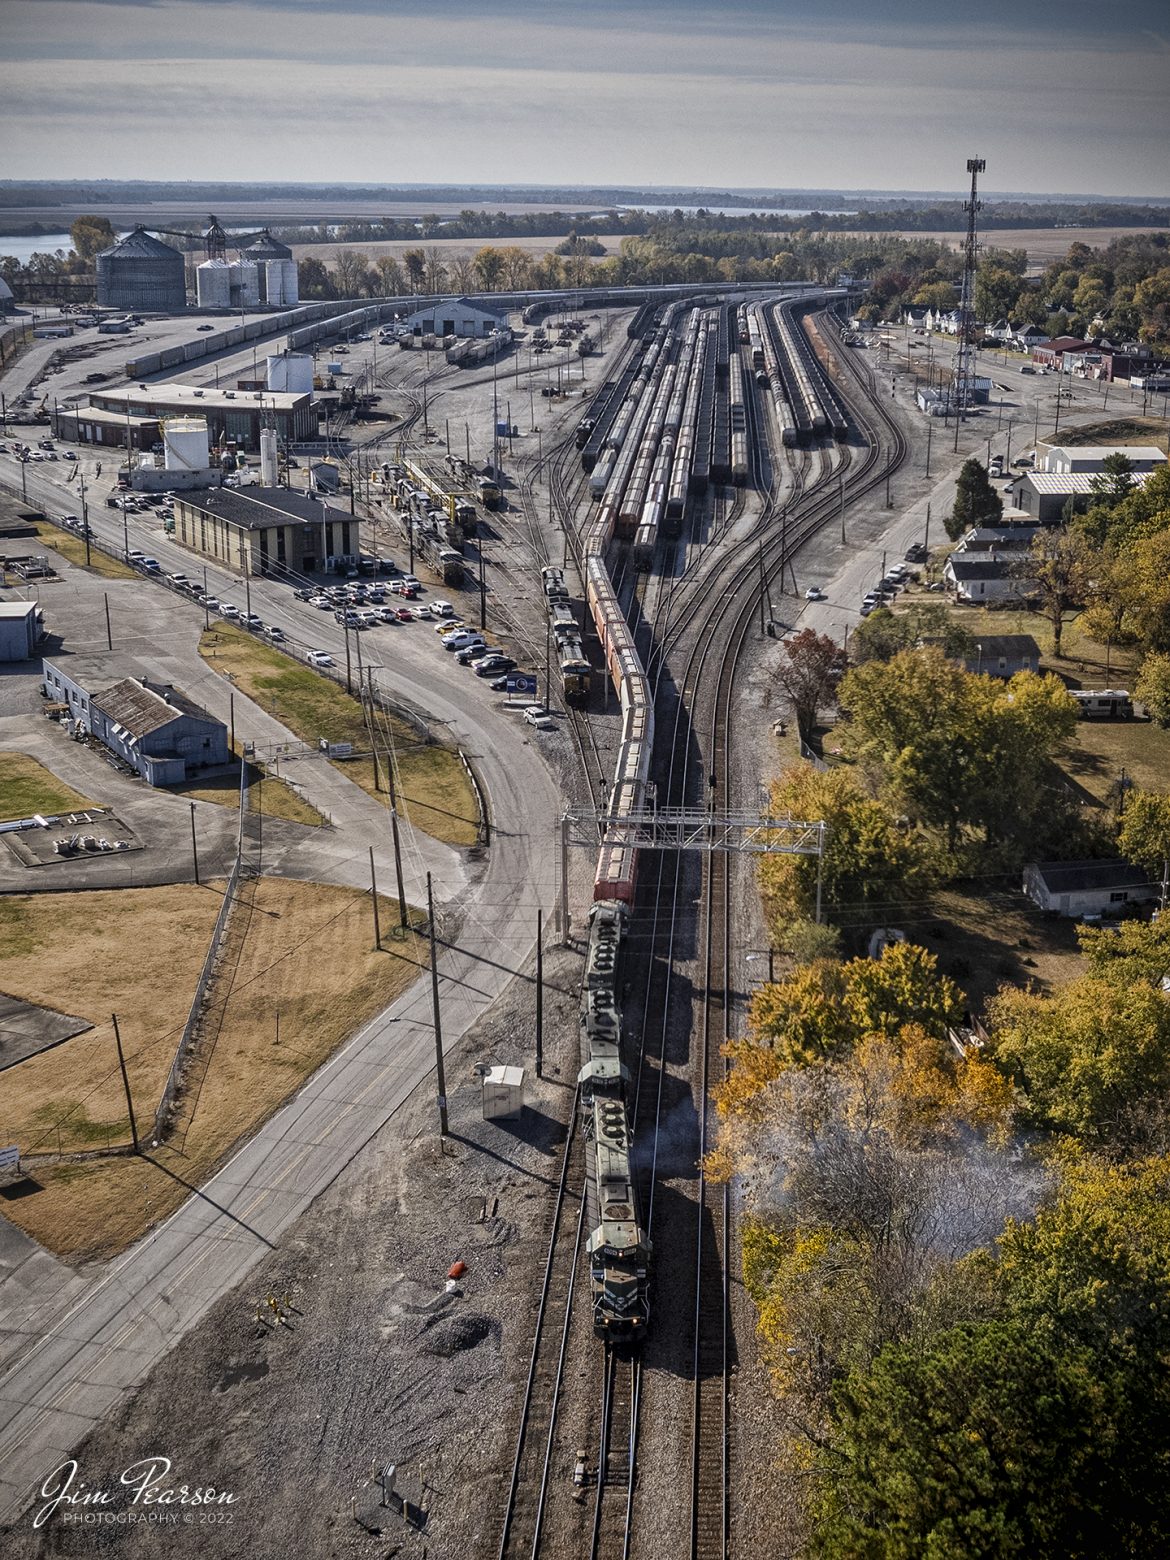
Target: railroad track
{"x": 528, "y": 1489}
{"x": 613, "y": 1504}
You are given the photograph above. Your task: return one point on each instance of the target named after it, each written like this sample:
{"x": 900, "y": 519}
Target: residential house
{"x": 1087, "y": 888}
{"x": 984, "y": 579}
{"x": 1003, "y": 655}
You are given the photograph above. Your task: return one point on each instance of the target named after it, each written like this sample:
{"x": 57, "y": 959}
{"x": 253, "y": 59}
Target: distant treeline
{"x": 943, "y": 218}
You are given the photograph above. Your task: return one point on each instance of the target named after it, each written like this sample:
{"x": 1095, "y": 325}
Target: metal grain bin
{"x": 141, "y": 272}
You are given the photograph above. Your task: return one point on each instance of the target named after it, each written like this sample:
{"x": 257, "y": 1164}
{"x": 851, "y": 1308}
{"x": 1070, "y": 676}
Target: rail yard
{"x": 637, "y": 552}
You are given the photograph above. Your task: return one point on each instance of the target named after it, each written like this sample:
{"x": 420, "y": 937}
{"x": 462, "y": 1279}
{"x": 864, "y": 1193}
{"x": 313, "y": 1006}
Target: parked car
{"x": 450, "y": 626}
{"x": 211, "y": 603}
{"x": 277, "y": 635}
{"x": 442, "y": 609}
{"x": 493, "y": 665}
{"x": 814, "y": 593}
{"x": 136, "y": 555}
{"x": 253, "y": 622}
{"x": 319, "y": 658}
{"x": 473, "y": 651}
{"x": 152, "y": 565}
{"x": 228, "y": 609}
{"x": 403, "y": 614}
{"x": 536, "y": 715}
{"x": 460, "y": 640}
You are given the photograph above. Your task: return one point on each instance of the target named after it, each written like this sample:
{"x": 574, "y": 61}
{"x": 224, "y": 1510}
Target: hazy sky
{"x": 835, "y": 93}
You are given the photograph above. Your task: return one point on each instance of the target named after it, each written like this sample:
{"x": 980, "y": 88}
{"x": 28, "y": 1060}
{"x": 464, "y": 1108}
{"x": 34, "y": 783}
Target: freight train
{"x": 675, "y": 420}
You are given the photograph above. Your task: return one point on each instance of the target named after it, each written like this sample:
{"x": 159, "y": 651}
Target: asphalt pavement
{"x": 63, "y": 1377}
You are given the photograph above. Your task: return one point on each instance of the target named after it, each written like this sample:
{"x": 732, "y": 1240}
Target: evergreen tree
{"x": 976, "y": 501}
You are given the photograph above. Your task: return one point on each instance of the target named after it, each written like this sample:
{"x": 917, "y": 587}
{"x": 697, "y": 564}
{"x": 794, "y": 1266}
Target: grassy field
{"x": 71, "y": 547}
{"x": 306, "y": 956}
{"x": 27, "y": 787}
{"x": 1121, "y": 430}
{"x": 984, "y": 938}
{"x": 267, "y": 795}
{"x": 1101, "y": 750}
{"x": 435, "y": 792}
{"x": 136, "y": 952}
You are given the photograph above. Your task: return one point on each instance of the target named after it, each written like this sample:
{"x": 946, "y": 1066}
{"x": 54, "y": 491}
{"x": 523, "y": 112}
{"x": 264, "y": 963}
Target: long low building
{"x": 151, "y": 726}
{"x": 262, "y": 529}
{"x": 1044, "y": 495}
{"x": 237, "y": 415}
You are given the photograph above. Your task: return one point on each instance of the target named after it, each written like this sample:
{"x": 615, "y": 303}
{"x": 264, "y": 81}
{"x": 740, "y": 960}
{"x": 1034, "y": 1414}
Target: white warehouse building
{"x": 454, "y": 317}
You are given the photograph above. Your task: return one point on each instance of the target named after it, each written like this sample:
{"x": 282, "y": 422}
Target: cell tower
{"x": 962, "y": 388}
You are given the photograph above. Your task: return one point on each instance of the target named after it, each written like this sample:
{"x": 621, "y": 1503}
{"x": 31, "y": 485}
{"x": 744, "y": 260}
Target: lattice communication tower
{"x": 963, "y": 386}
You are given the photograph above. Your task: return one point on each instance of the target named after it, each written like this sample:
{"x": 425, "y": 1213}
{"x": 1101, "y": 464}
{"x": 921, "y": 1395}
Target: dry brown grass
{"x": 308, "y": 954}
{"x": 136, "y": 952}
{"x": 436, "y": 794}
{"x": 267, "y": 794}
{"x": 27, "y": 787}
{"x": 71, "y": 547}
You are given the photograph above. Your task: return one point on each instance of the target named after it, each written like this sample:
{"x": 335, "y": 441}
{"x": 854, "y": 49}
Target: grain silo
{"x": 263, "y": 250}
{"x": 244, "y": 283}
{"x": 279, "y": 284}
{"x": 213, "y": 285}
{"x": 141, "y": 272}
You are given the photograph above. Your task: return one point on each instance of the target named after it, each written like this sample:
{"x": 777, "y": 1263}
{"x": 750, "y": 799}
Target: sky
{"x": 829, "y": 94}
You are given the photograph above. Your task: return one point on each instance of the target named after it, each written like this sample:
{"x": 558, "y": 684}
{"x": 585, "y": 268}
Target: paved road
{"x": 135, "y": 1311}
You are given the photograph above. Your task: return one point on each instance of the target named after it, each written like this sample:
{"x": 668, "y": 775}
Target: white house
{"x": 984, "y": 577}
{"x": 1087, "y": 887}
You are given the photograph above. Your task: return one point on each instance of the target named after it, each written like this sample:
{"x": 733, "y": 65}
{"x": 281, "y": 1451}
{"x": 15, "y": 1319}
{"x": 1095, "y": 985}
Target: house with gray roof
{"x": 1087, "y": 888}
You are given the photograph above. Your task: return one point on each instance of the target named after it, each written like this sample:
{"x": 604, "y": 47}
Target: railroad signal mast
{"x": 963, "y": 386}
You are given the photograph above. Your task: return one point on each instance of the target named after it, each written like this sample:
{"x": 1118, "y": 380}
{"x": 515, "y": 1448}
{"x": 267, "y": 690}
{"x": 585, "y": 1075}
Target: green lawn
{"x": 436, "y": 793}
{"x": 27, "y": 787}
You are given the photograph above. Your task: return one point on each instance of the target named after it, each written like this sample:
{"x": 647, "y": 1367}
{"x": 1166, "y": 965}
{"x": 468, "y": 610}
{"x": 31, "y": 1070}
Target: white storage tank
{"x": 503, "y": 1093}
{"x": 290, "y": 372}
{"x": 269, "y": 465}
{"x": 213, "y": 285}
{"x": 244, "y": 281}
{"x": 185, "y": 443}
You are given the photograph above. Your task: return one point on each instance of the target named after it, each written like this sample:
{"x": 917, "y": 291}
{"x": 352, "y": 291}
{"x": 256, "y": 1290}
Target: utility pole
{"x": 84, "y": 517}
{"x": 374, "y": 902}
{"x": 547, "y": 660}
{"x": 348, "y": 667}
{"x": 439, "y": 1074}
{"x": 929, "y": 436}
{"x": 206, "y": 613}
{"x": 482, "y": 588}
{"x": 109, "y": 632}
{"x": 232, "y": 720}
{"x": 194, "y": 845}
{"x": 403, "y": 918}
{"x": 540, "y": 994}
{"x": 126, "y": 1085}
{"x": 841, "y": 495}
{"x": 926, "y": 537}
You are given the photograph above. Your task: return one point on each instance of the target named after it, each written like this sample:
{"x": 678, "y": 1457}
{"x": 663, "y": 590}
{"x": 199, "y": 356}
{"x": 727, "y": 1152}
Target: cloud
{"x": 754, "y": 94}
